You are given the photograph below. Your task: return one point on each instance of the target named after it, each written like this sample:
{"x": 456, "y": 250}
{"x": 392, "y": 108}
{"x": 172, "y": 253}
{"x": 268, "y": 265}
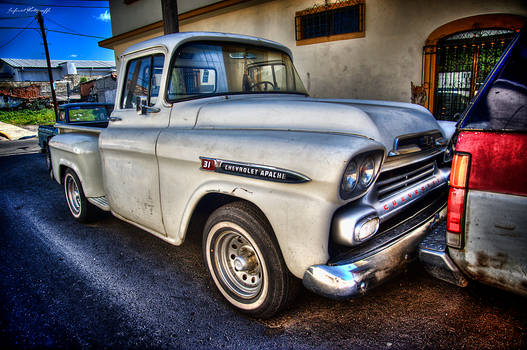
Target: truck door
{"x": 128, "y": 145}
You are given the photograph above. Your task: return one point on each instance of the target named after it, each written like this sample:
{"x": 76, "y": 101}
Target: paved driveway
{"x": 64, "y": 284}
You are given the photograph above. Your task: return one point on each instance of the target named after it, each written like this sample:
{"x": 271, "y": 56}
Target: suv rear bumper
{"x": 355, "y": 275}
{"x": 434, "y": 257}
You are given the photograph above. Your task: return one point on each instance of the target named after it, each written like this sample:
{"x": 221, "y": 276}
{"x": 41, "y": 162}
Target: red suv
{"x": 486, "y": 229}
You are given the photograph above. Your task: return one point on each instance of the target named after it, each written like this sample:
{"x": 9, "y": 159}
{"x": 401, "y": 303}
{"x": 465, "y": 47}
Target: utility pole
{"x": 170, "y": 16}
{"x": 53, "y": 96}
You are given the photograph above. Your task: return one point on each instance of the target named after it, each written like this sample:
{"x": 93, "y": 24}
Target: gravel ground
{"x": 109, "y": 284}
{"x": 33, "y": 128}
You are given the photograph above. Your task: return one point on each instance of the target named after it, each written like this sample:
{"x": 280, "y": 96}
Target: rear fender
{"x": 79, "y": 152}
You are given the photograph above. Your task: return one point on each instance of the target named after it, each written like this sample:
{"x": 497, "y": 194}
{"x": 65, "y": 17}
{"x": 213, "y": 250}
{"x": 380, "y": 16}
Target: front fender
{"x": 300, "y": 213}
{"x": 302, "y": 235}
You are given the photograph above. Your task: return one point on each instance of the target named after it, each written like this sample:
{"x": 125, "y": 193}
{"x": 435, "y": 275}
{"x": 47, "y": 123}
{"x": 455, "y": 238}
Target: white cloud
{"x": 105, "y": 16}
{"x": 74, "y": 56}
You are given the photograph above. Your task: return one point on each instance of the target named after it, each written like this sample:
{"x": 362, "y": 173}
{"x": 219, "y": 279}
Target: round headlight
{"x": 349, "y": 181}
{"x": 367, "y": 170}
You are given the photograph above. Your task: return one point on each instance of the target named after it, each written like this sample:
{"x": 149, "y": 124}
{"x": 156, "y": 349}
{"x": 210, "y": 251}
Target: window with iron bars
{"x": 461, "y": 63}
{"x": 328, "y": 22}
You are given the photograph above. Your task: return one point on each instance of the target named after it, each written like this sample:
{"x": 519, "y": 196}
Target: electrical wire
{"x": 1, "y": 18}
{"x": 53, "y": 5}
{"x": 71, "y": 31}
{"x": 17, "y": 28}
{"x": 20, "y": 32}
{"x": 62, "y": 26}
{"x": 86, "y": 35}
{"x": 55, "y": 31}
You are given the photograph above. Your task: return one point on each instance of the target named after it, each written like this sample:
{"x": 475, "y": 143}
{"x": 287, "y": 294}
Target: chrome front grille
{"x": 423, "y": 142}
{"x": 397, "y": 180}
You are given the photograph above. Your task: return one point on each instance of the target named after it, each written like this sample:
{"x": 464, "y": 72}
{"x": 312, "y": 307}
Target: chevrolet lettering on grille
{"x": 413, "y": 192}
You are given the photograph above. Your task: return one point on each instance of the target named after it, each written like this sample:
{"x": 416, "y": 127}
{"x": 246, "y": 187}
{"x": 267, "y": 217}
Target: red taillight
{"x": 458, "y": 175}
{"x": 456, "y": 199}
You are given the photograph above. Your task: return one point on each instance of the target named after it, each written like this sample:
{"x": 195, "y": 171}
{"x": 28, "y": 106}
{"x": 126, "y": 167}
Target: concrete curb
{"x": 13, "y": 132}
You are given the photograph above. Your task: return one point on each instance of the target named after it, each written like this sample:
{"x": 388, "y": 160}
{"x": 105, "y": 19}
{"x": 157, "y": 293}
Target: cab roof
{"x": 172, "y": 41}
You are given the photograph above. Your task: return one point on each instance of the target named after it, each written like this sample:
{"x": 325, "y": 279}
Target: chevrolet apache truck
{"x": 215, "y": 133}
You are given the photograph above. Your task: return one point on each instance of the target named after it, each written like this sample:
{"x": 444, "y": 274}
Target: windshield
{"x": 502, "y": 103}
{"x": 206, "y": 69}
{"x": 89, "y": 114}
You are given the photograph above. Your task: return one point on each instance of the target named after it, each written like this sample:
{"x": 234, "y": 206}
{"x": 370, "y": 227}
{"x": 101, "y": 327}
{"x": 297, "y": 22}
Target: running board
{"x": 100, "y": 202}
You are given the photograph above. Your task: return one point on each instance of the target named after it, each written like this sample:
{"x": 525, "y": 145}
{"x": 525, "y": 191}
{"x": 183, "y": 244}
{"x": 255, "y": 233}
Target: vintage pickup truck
{"x": 215, "y": 133}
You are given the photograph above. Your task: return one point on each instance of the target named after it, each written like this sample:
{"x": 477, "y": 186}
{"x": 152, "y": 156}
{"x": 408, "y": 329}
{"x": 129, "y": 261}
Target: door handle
{"x": 115, "y": 119}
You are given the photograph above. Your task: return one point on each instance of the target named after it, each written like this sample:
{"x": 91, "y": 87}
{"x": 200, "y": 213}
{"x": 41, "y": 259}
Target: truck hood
{"x": 377, "y": 120}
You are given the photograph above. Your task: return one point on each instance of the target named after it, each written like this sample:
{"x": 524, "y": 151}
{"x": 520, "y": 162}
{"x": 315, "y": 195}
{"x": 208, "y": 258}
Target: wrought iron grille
{"x": 463, "y": 62}
{"x": 338, "y": 18}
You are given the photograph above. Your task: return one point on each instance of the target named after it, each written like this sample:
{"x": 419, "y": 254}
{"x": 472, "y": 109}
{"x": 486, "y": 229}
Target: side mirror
{"x": 142, "y": 107}
{"x": 140, "y": 103}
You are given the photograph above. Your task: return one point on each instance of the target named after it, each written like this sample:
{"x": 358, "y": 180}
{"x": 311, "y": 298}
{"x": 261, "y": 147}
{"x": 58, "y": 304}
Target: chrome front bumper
{"x": 354, "y": 276}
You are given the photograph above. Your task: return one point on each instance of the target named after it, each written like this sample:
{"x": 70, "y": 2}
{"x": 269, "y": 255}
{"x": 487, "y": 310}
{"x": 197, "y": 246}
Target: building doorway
{"x": 464, "y": 62}
{"x": 459, "y": 56}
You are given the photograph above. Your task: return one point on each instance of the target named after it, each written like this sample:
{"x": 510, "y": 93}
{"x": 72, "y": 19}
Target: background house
{"x": 102, "y": 89}
{"x": 16, "y": 69}
{"x": 367, "y": 49}
{"x": 25, "y": 82}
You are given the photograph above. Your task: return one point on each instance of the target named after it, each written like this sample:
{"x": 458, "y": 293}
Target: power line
{"x": 53, "y": 5}
{"x": 16, "y": 36}
{"x": 18, "y": 27}
{"x": 17, "y": 17}
{"x": 56, "y": 31}
{"x": 63, "y": 26}
{"x": 86, "y": 35}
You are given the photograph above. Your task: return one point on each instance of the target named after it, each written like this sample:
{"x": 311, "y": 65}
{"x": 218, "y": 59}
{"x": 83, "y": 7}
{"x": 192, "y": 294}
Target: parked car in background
{"x": 486, "y": 229}
{"x": 78, "y": 114}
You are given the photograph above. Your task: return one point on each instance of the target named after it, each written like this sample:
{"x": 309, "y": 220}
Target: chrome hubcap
{"x": 73, "y": 194}
{"x": 245, "y": 262}
{"x": 238, "y": 264}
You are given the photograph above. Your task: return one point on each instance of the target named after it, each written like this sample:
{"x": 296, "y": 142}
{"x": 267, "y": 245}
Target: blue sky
{"x": 86, "y": 17}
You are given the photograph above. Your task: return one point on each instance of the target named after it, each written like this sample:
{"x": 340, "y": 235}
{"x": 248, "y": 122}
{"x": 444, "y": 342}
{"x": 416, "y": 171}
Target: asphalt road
{"x": 109, "y": 284}
{"x": 11, "y": 148}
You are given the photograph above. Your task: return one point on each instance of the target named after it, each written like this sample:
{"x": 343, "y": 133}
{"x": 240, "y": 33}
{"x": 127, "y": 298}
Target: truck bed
{"x": 93, "y": 128}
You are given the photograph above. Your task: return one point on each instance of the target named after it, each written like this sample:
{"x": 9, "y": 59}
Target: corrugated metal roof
{"x": 38, "y": 63}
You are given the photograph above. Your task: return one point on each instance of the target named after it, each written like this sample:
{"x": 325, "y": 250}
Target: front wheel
{"x": 245, "y": 262}
{"x": 80, "y": 208}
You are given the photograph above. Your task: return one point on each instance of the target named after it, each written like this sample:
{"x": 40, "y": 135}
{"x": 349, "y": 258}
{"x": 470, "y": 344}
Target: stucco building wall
{"x": 380, "y": 65}
{"x": 145, "y": 12}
